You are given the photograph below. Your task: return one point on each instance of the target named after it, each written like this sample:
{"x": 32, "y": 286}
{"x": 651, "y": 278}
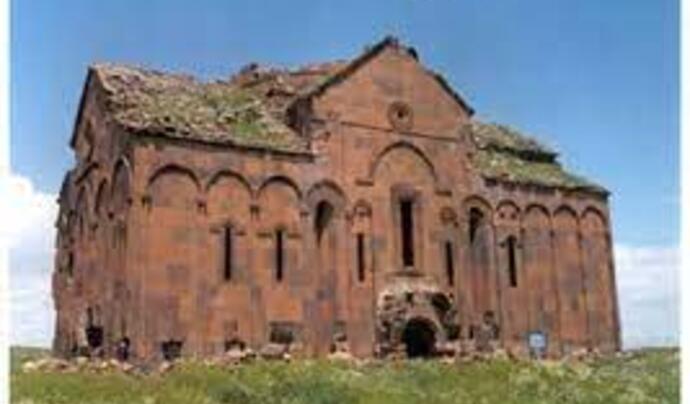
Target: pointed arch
{"x": 593, "y": 212}
{"x": 101, "y": 202}
{"x": 282, "y": 180}
{"x": 535, "y": 209}
{"x": 225, "y": 173}
{"x": 120, "y": 184}
{"x": 174, "y": 169}
{"x": 507, "y": 210}
{"x": 401, "y": 145}
{"x": 326, "y": 190}
{"x": 565, "y": 209}
{"x": 82, "y": 209}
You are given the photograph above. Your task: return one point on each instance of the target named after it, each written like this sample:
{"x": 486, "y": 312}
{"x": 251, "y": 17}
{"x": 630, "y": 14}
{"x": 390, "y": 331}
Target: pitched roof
{"x": 507, "y": 155}
{"x": 248, "y": 109}
{"x": 180, "y": 106}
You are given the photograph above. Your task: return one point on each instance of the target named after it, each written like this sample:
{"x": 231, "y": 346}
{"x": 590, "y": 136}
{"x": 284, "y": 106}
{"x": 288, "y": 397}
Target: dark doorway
{"x": 419, "y": 338}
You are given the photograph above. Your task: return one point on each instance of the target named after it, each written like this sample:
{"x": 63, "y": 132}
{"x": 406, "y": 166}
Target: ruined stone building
{"x": 355, "y": 202}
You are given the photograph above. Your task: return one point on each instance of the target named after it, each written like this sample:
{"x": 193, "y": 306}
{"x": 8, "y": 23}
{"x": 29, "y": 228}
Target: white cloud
{"x": 647, "y": 276}
{"x": 28, "y": 229}
{"x": 648, "y": 294}
{"x": 28, "y": 214}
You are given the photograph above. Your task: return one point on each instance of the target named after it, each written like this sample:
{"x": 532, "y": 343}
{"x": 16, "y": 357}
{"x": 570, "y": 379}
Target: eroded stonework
{"x": 352, "y": 206}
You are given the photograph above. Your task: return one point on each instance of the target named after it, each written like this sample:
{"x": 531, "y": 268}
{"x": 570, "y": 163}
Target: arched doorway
{"x": 419, "y": 338}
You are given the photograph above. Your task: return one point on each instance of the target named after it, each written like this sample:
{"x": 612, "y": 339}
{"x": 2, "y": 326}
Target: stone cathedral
{"x": 354, "y": 202}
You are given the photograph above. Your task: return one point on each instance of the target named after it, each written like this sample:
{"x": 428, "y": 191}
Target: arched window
{"x": 228, "y": 247}
{"x": 450, "y": 265}
{"x": 322, "y": 218}
{"x": 279, "y": 254}
{"x": 361, "y": 254}
{"x": 511, "y": 244}
{"x": 476, "y": 219}
{"x": 407, "y": 231}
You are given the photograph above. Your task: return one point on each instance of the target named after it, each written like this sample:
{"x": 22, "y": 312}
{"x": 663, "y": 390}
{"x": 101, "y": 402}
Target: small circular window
{"x": 400, "y": 116}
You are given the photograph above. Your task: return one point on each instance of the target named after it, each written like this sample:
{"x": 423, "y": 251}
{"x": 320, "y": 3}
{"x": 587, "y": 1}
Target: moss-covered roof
{"x": 179, "y": 106}
{"x": 507, "y": 155}
{"x": 503, "y": 137}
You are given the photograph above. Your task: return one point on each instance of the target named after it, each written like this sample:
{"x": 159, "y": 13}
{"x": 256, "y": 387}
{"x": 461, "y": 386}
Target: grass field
{"x": 650, "y": 376}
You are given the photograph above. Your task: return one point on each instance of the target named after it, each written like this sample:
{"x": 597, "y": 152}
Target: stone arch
{"x": 120, "y": 184}
{"x": 570, "y": 279}
{"x": 88, "y": 172}
{"x": 224, "y": 173}
{"x": 533, "y": 210}
{"x": 159, "y": 183}
{"x": 401, "y": 145}
{"x": 472, "y": 206}
{"x": 478, "y": 230}
{"x": 362, "y": 208}
{"x": 326, "y": 190}
{"x": 225, "y": 191}
{"x": 565, "y": 210}
{"x": 539, "y": 273}
{"x": 101, "y": 203}
{"x": 174, "y": 169}
{"x": 280, "y": 207}
{"x": 228, "y": 210}
{"x": 507, "y": 210}
{"x": 82, "y": 209}
{"x": 599, "y": 276}
{"x": 478, "y": 202}
{"x": 280, "y": 179}
{"x": 593, "y": 217}
{"x": 419, "y": 336}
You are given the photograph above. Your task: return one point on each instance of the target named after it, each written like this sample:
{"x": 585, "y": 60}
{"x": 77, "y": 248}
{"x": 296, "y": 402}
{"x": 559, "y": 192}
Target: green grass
{"x": 650, "y": 376}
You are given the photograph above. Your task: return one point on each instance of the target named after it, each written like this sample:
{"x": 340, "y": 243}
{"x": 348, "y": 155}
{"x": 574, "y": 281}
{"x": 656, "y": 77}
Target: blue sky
{"x": 596, "y": 79}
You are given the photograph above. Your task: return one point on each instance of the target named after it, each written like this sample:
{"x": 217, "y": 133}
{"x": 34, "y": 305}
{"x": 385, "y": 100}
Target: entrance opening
{"x": 419, "y": 338}
{"x": 406, "y": 228}
{"x": 171, "y": 349}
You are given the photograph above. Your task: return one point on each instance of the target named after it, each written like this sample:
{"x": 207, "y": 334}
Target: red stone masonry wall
{"x": 144, "y": 220}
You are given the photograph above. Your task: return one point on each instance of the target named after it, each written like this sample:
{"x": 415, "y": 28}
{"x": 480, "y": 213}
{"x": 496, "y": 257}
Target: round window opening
{"x": 400, "y": 116}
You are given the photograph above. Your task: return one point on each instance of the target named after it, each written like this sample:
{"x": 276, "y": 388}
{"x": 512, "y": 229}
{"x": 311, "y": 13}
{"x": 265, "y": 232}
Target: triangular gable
{"x": 371, "y": 53}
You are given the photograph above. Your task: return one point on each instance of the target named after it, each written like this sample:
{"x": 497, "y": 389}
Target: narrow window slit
{"x": 280, "y": 254}
{"x": 512, "y": 267}
{"x": 361, "y": 268}
{"x": 450, "y": 265}
{"x": 476, "y": 218}
{"x": 406, "y": 228}
{"x": 227, "y": 253}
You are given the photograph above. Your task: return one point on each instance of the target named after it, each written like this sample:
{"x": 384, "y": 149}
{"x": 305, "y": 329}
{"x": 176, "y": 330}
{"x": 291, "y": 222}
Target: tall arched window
{"x": 279, "y": 254}
{"x": 511, "y": 244}
{"x": 227, "y": 248}
{"x": 361, "y": 257}
{"x": 322, "y": 218}
{"x": 476, "y": 219}
{"x": 450, "y": 265}
{"x": 407, "y": 231}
